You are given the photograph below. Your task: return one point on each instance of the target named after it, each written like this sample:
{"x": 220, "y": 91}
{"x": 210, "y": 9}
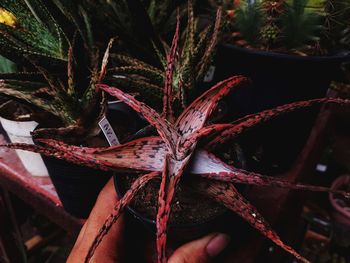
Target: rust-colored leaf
{"x": 173, "y": 170}
{"x": 253, "y": 120}
{"x": 164, "y": 128}
{"x": 168, "y": 87}
{"x": 226, "y": 194}
{"x": 118, "y": 209}
{"x": 145, "y": 154}
{"x": 195, "y": 116}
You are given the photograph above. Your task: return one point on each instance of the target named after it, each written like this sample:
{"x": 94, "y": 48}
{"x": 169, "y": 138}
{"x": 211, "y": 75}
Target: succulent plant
{"x": 190, "y": 65}
{"x": 305, "y": 27}
{"x": 184, "y": 144}
{"x": 53, "y": 43}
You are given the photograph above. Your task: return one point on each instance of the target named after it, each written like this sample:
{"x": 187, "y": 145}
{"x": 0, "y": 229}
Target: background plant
{"x": 53, "y": 43}
{"x": 305, "y": 27}
{"x": 191, "y": 62}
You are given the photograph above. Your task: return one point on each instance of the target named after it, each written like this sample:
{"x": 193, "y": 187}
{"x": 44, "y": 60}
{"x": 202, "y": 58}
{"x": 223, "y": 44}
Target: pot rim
{"x": 153, "y": 222}
{"x": 283, "y": 56}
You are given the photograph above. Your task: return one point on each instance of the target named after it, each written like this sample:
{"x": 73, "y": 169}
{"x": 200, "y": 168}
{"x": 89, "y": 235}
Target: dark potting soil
{"x": 188, "y": 207}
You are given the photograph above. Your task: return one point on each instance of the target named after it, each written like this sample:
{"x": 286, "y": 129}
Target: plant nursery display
{"x": 302, "y": 27}
{"x": 142, "y": 66}
{"x": 183, "y": 147}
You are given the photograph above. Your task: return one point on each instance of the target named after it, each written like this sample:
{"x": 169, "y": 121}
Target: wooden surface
{"x": 38, "y": 192}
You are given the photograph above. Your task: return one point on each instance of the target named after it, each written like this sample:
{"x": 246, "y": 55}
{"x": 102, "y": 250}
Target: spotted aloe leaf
{"x": 164, "y": 128}
{"x": 118, "y": 209}
{"x": 168, "y": 86}
{"x": 207, "y": 165}
{"x": 145, "y": 154}
{"x": 195, "y": 116}
{"x": 205, "y": 61}
{"x": 228, "y": 195}
{"x": 173, "y": 170}
{"x": 226, "y": 132}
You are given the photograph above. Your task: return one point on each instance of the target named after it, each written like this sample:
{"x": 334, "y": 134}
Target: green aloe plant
{"x": 53, "y": 43}
{"x": 189, "y": 67}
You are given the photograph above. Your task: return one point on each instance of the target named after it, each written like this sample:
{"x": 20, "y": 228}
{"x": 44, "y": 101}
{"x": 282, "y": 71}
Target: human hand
{"x": 111, "y": 249}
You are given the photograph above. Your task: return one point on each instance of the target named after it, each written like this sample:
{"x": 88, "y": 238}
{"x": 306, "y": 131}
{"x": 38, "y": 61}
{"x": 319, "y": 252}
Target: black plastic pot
{"x": 177, "y": 233}
{"x": 180, "y": 233}
{"x": 278, "y": 79}
{"x": 78, "y": 186}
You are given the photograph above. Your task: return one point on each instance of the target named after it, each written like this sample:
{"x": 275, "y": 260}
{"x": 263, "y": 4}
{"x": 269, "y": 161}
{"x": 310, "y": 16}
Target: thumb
{"x": 201, "y": 250}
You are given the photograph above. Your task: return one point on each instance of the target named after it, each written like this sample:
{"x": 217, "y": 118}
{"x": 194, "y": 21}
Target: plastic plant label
{"x": 210, "y": 74}
{"x": 108, "y": 131}
{"x": 321, "y": 168}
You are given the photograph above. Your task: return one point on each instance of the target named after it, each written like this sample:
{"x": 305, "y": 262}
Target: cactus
{"x": 304, "y": 27}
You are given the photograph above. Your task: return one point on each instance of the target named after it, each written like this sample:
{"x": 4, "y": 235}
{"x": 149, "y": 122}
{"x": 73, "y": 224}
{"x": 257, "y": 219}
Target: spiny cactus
{"x": 184, "y": 145}
{"x": 294, "y": 26}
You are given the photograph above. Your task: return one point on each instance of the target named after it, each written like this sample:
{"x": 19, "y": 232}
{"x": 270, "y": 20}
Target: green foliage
{"x": 35, "y": 33}
{"x": 54, "y": 43}
{"x": 249, "y": 19}
{"x": 308, "y": 27}
{"x": 191, "y": 64}
{"x": 299, "y": 26}
{"x": 7, "y": 66}
{"x": 60, "y": 44}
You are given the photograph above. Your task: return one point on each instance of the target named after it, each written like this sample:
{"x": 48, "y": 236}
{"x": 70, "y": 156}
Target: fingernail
{"x": 217, "y": 244}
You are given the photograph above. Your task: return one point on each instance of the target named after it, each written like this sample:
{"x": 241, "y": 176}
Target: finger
{"x": 102, "y": 208}
{"x": 111, "y": 249}
{"x": 202, "y": 250}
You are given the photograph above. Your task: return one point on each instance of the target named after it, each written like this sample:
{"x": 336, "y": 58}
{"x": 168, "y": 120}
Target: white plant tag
{"x": 321, "y": 168}
{"x": 108, "y": 131}
{"x": 210, "y": 74}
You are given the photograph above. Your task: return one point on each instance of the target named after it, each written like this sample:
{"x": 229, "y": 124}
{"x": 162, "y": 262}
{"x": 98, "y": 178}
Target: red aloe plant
{"x": 178, "y": 149}
{"x": 169, "y": 154}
